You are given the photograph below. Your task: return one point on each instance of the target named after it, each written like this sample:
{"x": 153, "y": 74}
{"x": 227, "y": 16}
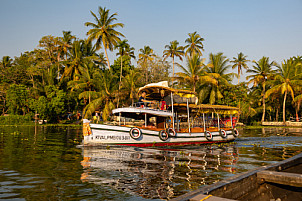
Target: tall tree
{"x": 193, "y": 73}
{"x": 286, "y": 80}
{"x": 261, "y": 72}
{"x": 106, "y": 92}
{"x": 146, "y": 54}
{"x": 173, "y": 50}
{"x": 240, "y": 62}
{"x": 104, "y": 30}
{"x": 194, "y": 44}
{"x": 130, "y": 84}
{"x": 216, "y": 69}
{"x": 124, "y": 49}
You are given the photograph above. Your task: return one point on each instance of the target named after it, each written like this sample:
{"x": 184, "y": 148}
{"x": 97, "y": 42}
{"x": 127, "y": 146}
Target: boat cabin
{"x": 177, "y": 109}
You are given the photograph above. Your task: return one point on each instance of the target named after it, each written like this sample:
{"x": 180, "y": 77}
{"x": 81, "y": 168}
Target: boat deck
{"x": 279, "y": 181}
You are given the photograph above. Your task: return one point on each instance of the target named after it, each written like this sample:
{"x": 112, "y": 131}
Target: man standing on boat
{"x": 142, "y": 100}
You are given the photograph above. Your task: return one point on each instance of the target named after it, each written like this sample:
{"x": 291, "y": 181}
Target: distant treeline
{"x": 67, "y": 76}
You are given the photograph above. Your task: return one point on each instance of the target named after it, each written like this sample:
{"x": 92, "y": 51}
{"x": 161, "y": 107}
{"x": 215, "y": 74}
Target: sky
{"x": 271, "y": 28}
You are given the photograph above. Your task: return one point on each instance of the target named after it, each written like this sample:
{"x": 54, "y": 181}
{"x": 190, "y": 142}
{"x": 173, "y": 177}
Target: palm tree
{"x": 193, "y": 73}
{"x": 195, "y": 45}
{"x": 124, "y": 49}
{"x": 103, "y": 31}
{"x": 286, "y": 81}
{"x": 262, "y": 71}
{"x": 75, "y": 66}
{"x": 67, "y": 42}
{"x": 129, "y": 84}
{"x": 240, "y": 62}
{"x": 106, "y": 91}
{"x": 216, "y": 69}
{"x": 6, "y": 62}
{"x": 145, "y": 55}
{"x": 87, "y": 84}
{"x": 173, "y": 50}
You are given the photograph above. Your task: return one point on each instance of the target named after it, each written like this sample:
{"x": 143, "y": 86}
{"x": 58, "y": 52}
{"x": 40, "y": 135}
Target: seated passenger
{"x": 142, "y": 100}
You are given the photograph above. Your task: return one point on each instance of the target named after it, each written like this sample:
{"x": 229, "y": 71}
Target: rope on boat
{"x": 206, "y": 198}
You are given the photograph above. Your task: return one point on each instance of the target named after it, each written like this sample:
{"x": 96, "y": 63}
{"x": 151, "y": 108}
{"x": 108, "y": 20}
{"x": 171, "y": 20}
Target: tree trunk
{"x": 173, "y": 70}
{"x": 238, "y": 75}
{"x": 107, "y": 58}
{"x": 277, "y": 114}
{"x": 119, "y": 85}
{"x": 284, "y": 102}
{"x": 263, "y": 103}
{"x": 89, "y": 98}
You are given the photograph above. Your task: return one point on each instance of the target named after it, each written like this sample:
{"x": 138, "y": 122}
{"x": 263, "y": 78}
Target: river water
{"x": 45, "y": 163}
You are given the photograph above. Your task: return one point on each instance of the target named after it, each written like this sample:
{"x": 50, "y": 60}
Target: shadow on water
{"x": 44, "y": 163}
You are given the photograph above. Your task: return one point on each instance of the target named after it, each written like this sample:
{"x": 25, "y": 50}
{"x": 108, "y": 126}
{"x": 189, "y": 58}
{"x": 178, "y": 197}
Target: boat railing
{"x": 149, "y": 106}
{"x": 208, "y": 122}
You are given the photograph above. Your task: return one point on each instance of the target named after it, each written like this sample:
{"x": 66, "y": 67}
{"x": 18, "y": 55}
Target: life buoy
{"x": 163, "y": 135}
{"x": 223, "y": 133}
{"x": 171, "y": 132}
{"x": 135, "y": 133}
{"x": 235, "y": 132}
{"x": 208, "y": 135}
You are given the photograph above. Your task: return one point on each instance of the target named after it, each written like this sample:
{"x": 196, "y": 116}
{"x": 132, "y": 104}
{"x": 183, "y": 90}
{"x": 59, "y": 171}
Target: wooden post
{"x": 232, "y": 121}
{"x": 204, "y": 123}
{"x": 145, "y": 119}
{"x": 218, "y": 121}
{"x": 172, "y": 110}
{"x": 188, "y": 110}
{"x": 119, "y": 120}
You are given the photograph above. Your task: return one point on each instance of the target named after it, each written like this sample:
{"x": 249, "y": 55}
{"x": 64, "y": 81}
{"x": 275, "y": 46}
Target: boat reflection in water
{"x": 158, "y": 173}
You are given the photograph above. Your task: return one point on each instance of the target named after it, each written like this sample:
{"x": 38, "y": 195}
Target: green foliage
{"x": 127, "y": 66}
{"x": 52, "y": 106}
{"x": 17, "y": 99}
{"x": 16, "y": 119}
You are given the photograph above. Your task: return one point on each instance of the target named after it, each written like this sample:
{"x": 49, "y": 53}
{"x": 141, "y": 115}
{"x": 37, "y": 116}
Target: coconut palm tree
{"x": 146, "y": 54}
{"x": 286, "y": 80}
{"x": 106, "y": 92}
{"x": 194, "y": 44}
{"x": 86, "y": 84}
{"x": 6, "y": 62}
{"x": 240, "y": 62}
{"x": 129, "y": 84}
{"x": 104, "y": 30}
{"x": 173, "y": 50}
{"x": 262, "y": 71}
{"x": 67, "y": 40}
{"x": 75, "y": 66}
{"x": 193, "y": 73}
{"x": 216, "y": 69}
{"x": 124, "y": 49}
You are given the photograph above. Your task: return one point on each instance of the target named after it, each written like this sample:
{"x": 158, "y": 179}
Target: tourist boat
{"x": 173, "y": 118}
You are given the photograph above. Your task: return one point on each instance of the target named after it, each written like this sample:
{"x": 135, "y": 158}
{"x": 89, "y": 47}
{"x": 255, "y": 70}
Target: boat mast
{"x": 172, "y": 110}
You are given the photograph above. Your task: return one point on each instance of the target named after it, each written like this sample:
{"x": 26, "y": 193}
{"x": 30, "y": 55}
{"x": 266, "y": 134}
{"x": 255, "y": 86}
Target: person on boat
{"x": 142, "y": 100}
{"x": 163, "y": 105}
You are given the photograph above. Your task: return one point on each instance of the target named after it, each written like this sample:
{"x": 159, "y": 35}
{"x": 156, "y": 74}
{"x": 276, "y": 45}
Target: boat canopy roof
{"x": 158, "y": 90}
{"x": 207, "y": 108}
{"x": 153, "y": 112}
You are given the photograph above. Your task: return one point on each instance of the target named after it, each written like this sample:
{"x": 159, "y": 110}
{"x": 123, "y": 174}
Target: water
{"x": 44, "y": 163}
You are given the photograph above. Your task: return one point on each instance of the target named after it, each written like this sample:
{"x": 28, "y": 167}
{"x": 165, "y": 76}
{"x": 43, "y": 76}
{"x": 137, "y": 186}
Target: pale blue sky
{"x": 258, "y": 28}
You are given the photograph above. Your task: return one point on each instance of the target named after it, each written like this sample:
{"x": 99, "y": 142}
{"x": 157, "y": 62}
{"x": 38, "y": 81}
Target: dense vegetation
{"x": 66, "y": 75}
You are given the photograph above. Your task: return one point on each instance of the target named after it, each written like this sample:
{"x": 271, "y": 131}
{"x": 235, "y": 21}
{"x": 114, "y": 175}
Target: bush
{"x": 15, "y": 119}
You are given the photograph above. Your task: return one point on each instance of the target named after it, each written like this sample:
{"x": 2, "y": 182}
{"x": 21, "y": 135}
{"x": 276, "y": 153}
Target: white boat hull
{"x": 101, "y": 134}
